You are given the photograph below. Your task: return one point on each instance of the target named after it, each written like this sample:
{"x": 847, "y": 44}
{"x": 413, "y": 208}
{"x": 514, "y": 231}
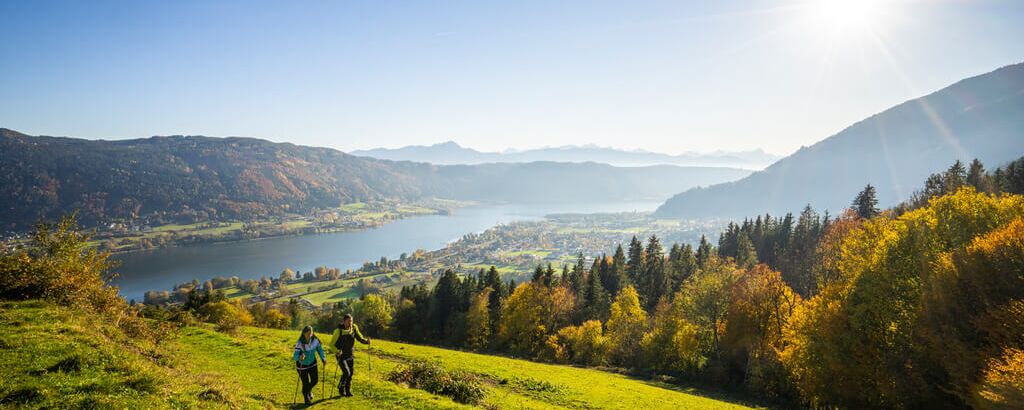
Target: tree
{"x": 978, "y": 178}
{"x": 705, "y": 302}
{"x": 585, "y": 344}
{"x": 746, "y": 255}
{"x": 703, "y": 252}
{"x": 444, "y": 304}
{"x": 635, "y": 263}
{"x": 614, "y": 279}
{"x": 672, "y": 344}
{"x": 955, "y": 177}
{"x": 655, "y": 282}
{"x": 228, "y": 316}
{"x": 374, "y": 314}
{"x": 287, "y": 275}
{"x": 530, "y": 313}
{"x": 760, "y": 305}
{"x": 626, "y": 325}
{"x": 596, "y": 302}
{"x": 478, "y": 321}
{"x": 866, "y": 203}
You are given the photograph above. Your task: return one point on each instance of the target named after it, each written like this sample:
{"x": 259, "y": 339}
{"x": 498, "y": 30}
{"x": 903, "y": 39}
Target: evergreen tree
{"x": 684, "y": 264}
{"x": 703, "y": 252}
{"x": 617, "y": 279}
{"x": 538, "y": 274}
{"x": 444, "y": 302}
{"x": 635, "y": 264}
{"x": 577, "y": 275}
{"x": 866, "y": 203}
{"x": 655, "y": 279}
{"x": 597, "y": 303}
{"x": 955, "y": 177}
{"x": 978, "y": 178}
{"x": 746, "y": 255}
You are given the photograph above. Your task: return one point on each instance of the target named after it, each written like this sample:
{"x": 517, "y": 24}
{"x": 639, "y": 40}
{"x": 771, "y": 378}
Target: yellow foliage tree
{"x": 626, "y": 326}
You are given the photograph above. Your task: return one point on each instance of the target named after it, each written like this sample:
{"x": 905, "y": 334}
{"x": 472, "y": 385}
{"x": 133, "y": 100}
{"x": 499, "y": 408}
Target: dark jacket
{"x": 345, "y": 339}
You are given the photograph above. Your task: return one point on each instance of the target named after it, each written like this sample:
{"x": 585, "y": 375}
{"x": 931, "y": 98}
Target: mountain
{"x": 187, "y": 177}
{"x": 895, "y": 150}
{"x": 546, "y": 181}
{"x": 195, "y": 178}
{"x": 449, "y": 153}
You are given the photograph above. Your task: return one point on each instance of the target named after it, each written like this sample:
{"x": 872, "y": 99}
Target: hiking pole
{"x": 296, "y": 388}
{"x": 323, "y": 381}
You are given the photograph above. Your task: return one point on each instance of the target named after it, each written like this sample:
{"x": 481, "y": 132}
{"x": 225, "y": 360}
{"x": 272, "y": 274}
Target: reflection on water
{"x": 163, "y": 268}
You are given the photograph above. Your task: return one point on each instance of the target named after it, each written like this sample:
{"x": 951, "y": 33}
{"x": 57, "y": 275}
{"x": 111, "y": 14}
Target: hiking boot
{"x": 341, "y": 391}
{"x": 348, "y": 391}
{"x": 308, "y": 399}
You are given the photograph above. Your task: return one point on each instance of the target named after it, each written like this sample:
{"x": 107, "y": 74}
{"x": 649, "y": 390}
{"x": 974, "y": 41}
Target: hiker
{"x": 306, "y": 349}
{"x": 344, "y": 339}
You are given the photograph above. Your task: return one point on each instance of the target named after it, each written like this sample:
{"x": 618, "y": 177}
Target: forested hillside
{"x": 191, "y": 179}
{"x": 980, "y": 117}
{"x": 187, "y": 178}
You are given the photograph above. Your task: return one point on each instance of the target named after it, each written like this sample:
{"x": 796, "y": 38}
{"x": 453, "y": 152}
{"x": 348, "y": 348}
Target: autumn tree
{"x": 626, "y": 325}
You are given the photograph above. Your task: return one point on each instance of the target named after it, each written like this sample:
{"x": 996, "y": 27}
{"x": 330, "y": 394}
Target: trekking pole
{"x": 296, "y": 388}
{"x": 323, "y": 381}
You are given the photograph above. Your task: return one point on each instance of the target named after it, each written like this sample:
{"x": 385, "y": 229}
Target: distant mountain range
{"x": 449, "y": 153}
{"x": 189, "y": 178}
{"x": 980, "y": 117}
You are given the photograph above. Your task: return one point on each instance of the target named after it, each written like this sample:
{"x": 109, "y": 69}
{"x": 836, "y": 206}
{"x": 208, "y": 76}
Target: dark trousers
{"x": 348, "y": 367}
{"x": 309, "y": 377}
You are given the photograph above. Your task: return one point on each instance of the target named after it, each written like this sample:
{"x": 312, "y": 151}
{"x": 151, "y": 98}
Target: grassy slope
{"x": 56, "y": 358}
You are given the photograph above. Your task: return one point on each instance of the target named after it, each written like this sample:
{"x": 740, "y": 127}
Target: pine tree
{"x": 597, "y": 302}
{"x": 955, "y": 177}
{"x": 655, "y": 279}
{"x": 635, "y": 264}
{"x": 615, "y": 277}
{"x": 746, "y": 255}
{"x": 866, "y": 203}
{"x": 703, "y": 252}
{"x": 978, "y": 178}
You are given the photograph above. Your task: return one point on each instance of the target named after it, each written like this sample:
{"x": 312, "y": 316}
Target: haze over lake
{"x": 160, "y": 269}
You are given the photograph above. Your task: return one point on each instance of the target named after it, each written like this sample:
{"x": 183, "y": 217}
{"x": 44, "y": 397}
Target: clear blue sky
{"x": 668, "y": 76}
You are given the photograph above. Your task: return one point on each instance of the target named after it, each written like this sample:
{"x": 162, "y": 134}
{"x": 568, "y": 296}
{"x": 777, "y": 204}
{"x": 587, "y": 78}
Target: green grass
{"x": 539, "y": 253}
{"x": 333, "y": 295}
{"x": 55, "y": 358}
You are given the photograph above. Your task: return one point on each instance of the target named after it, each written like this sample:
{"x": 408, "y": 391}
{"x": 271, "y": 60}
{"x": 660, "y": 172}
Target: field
{"x": 57, "y": 358}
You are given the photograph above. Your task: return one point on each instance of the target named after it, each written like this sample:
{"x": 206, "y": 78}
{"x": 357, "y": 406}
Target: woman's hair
{"x": 347, "y": 316}
{"x": 309, "y": 329}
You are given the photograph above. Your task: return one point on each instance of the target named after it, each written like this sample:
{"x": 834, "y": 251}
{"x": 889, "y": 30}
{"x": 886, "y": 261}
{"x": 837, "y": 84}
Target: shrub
{"x": 420, "y": 374}
{"x": 226, "y": 315}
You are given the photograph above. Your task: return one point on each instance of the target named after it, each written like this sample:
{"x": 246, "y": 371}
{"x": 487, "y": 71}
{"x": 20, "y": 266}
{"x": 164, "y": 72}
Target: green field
{"x": 54, "y": 357}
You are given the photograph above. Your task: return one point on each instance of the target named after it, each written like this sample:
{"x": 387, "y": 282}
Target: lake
{"x": 160, "y": 269}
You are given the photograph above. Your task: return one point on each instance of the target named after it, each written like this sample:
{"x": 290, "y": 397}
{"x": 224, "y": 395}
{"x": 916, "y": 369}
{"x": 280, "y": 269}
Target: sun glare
{"x": 845, "y": 14}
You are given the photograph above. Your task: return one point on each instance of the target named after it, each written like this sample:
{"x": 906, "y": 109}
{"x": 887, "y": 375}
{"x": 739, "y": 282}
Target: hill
{"x": 450, "y": 153}
{"x": 980, "y": 117}
{"x": 187, "y": 179}
{"x": 58, "y": 357}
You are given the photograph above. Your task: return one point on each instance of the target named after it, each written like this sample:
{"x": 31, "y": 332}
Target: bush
{"x": 226, "y": 315}
{"x": 420, "y": 374}
{"x": 57, "y": 265}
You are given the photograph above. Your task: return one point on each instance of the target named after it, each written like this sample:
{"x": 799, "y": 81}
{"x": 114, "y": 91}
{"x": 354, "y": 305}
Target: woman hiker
{"x": 306, "y": 349}
{"x": 344, "y": 339}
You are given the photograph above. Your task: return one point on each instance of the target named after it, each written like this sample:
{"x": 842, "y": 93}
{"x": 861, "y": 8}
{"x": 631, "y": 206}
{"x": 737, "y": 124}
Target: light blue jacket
{"x": 310, "y": 350}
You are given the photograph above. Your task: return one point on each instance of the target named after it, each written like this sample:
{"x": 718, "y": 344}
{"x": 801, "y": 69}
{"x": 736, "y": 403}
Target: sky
{"x": 672, "y": 76}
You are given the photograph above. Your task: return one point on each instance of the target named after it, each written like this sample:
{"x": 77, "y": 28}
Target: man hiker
{"x": 306, "y": 349}
{"x": 344, "y": 339}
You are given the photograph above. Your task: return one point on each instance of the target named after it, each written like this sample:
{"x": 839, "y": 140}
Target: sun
{"x": 843, "y": 15}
